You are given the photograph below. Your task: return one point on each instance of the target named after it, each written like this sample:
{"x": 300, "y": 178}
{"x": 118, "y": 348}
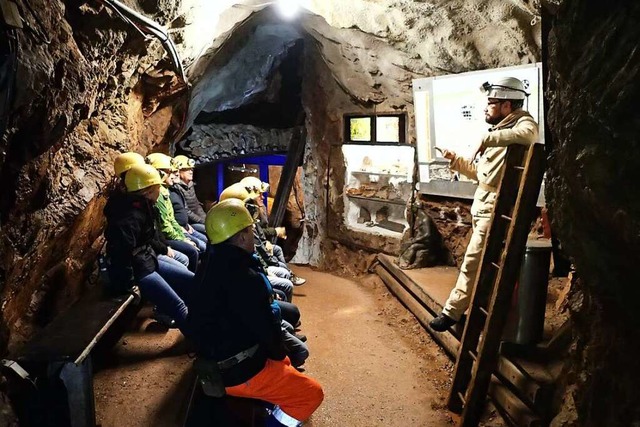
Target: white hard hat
{"x": 505, "y": 88}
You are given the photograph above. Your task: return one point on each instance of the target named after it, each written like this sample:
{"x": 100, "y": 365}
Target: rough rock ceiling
{"x": 372, "y": 48}
{"x": 238, "y": 82}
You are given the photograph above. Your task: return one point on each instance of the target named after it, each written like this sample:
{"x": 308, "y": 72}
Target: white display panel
{"x": 452, "y": 108}
{"x": 449, "y": 111}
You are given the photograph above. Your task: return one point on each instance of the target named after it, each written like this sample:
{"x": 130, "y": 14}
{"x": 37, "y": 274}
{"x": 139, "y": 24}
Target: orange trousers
{"x": 281, "y": 384}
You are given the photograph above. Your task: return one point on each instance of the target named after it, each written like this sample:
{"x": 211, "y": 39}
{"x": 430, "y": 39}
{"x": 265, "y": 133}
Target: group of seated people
{"x": 218, "y": 277}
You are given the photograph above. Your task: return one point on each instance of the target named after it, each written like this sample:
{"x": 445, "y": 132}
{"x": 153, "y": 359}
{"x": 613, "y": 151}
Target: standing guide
{"x": 511, "y": 124}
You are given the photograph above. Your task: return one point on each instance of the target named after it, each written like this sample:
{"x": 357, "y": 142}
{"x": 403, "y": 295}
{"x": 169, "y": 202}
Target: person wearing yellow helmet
{"x": 181, "y": 211}
{"x": 176, "y": 236}
{"x": 185, "y": 184}
{"x": 511, "y": 124}
{"x": 280, "y": 277}
{"x": 271, "y": 253}
{"x": 253, "y": 184}
{"x": 122, "y": 163}
{"x": 125, "y": 161}
{"x": 133, "y": 247}
{"x": 236, "y": 324}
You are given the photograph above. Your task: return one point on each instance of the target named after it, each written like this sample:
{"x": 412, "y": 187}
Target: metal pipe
{"x": 147, "y": 26}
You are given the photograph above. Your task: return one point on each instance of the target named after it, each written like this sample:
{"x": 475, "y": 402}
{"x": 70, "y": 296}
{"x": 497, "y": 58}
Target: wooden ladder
{"x": 499, "y": 268}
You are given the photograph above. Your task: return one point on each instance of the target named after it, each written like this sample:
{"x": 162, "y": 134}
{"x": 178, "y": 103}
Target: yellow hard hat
{"x": 254, "y": 184}
{"x": 183, "y": 162}
{"x": 236, "y": 191}
{"x": 140, "y": 177}
{"x": 124, "y": 162}
{"x": 226, "y": 219}
{"x": 161, "y": 161}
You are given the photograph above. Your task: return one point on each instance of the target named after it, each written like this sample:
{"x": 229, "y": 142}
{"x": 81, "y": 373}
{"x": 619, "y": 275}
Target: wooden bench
{"x": 227, "y": 411}
{"x": 58, "y": 360}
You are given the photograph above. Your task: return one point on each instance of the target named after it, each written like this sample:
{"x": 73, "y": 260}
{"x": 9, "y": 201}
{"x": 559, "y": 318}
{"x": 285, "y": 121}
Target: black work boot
{"x": 442, "y": 323}
{"x": 163, "y": 319}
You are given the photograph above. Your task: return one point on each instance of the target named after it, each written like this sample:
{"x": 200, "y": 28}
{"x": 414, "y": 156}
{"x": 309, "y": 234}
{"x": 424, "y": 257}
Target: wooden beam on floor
{"x": 434, "y": 306}
{"x": 512, "y": 410}
{"x": 530, "y": 382}
{"x": 448, "y": 342}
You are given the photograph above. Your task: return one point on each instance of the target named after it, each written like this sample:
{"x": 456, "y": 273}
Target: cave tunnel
{"x": 352, "y": 112}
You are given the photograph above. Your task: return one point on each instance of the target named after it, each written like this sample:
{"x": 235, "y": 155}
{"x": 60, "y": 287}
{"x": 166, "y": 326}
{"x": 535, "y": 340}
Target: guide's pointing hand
{"x": 449, "y": 155}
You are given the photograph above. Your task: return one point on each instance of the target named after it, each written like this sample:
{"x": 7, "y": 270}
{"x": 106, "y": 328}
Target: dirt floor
{"x": 377, "y": 365}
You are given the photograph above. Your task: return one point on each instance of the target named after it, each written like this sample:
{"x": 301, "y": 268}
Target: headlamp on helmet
{"x": 183, "y": 162}
{"x": 254, "y": 185}
{"x": 506, "y": 88}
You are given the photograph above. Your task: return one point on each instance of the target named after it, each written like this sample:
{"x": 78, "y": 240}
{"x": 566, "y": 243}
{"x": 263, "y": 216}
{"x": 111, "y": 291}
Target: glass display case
{"x": 378, "y": 184}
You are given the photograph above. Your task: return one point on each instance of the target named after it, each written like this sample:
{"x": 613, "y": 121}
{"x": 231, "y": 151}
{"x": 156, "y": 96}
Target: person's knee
{"x": 287, "y": 287}
{"x": 315, "y": 394}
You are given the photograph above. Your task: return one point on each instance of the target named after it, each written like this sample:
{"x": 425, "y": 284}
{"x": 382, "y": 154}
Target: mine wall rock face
{"x": 90, "y": 93}
{"x": 594, "y": 69}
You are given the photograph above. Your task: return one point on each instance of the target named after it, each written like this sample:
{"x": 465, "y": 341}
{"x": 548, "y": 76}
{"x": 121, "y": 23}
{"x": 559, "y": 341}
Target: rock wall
{"x": 592, "y": 89}
{"x": 90, "y": 93}
{"x": 213, "y": 142}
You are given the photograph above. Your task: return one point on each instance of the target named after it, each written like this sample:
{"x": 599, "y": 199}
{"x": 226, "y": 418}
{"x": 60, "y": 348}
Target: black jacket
{"x": 196, "y": 214}
{"x": 132, "y": 239}
{"x": 258, "y": 212}
{"x": 261, "y": 236}
{"x": 230, "y": 311}
{"x": 180, "y": 210}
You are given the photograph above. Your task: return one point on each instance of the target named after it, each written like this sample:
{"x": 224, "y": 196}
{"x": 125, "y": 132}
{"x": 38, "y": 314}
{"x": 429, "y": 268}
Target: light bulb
{"x": 288, "y": 9}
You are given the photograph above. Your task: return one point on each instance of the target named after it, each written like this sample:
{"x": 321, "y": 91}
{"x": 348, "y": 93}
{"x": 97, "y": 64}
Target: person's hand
{"x": 281, "y": 232}
{"x": 449, "y": 155}
{"x": 170, "y": 252}
{"x": 192, "y": 243}
{"x": 277, "y": 297}
{"x": 189, "y": 229}
{"x": 269, "y": 247}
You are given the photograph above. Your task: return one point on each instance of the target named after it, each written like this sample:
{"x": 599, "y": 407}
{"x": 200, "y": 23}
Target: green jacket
{"x": 166, "y": 221}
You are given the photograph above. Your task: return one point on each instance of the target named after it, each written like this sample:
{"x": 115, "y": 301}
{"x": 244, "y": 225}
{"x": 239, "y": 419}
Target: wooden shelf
{"x": 375, "y": 229}
{"x": 400, "y": 175}
{"x": 376, "y": 199}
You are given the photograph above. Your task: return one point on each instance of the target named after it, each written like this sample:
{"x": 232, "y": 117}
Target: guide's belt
{"x": 234, "y": 360}
{"x": 487, "y": 187}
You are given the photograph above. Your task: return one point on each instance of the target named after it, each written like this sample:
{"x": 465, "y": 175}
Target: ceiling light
{"x": 288, "y": 9}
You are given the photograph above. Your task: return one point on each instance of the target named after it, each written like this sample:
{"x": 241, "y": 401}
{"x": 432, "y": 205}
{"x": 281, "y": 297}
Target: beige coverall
{"x": 517, "y": 128}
